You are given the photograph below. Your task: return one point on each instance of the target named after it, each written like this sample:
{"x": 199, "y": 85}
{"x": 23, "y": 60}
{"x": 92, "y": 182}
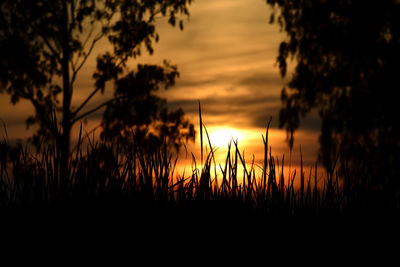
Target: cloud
{"x": 249, "y": 100}
{"x": 239, "y": 108}
{"x": 262, "y": 80}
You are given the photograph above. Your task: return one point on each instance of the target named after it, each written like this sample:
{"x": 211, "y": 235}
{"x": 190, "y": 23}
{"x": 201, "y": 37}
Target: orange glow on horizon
{"x": 222, "y": 136}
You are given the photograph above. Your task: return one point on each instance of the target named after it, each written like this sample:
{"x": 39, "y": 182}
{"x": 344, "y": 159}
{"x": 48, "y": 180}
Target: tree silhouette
{"x": 44, "y": 44}
{"x": 347, "y": 55}
{"x": 138, "y": 107}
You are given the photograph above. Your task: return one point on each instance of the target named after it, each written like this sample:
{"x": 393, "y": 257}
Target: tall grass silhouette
{"x": 127, "y": 196}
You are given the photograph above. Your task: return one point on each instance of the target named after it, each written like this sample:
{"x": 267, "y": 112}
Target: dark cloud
{"x": 248, "y": 106}
{"x": 257, "y": 100}
{"x": 261, "y": 119}
{"x": 255, "y": 110}
{"x": 262, "y": 80}
{"x": 238, "y": 55}
{"x": 194, "y": 83}
{"x": 13, "y": 120}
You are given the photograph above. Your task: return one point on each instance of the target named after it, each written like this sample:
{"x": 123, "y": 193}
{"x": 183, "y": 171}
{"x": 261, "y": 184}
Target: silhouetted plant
{"x": 346, "y": 56}
{"x": 44, "y": 44}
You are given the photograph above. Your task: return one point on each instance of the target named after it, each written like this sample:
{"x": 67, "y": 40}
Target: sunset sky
{"x": 226, "y": 57}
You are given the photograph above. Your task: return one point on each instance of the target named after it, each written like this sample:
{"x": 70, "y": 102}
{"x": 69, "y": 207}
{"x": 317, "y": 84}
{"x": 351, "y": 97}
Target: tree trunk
{"x": 64, "y": 143}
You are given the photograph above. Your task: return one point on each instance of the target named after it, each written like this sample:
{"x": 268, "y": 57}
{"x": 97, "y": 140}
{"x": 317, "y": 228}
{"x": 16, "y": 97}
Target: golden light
{"x": 221, "y": 137}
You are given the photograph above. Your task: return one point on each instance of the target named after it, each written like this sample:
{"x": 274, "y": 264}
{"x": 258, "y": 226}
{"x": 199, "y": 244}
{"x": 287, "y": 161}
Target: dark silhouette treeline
{"x": 346, "y": 56}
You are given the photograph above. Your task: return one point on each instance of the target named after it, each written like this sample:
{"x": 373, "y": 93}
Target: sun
{"x": 222, "y": 136}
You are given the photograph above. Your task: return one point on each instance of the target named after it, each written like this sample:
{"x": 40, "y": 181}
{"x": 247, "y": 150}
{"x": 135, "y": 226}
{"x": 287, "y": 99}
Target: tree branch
{"x": 93, "y": 110}
{"x": 48, "y": 44}
{"x": 86, "y": 56}
{"x": 74, "y": 113}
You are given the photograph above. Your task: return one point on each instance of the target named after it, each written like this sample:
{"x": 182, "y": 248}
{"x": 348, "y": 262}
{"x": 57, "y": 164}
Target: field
{"x": 119, "y": 200}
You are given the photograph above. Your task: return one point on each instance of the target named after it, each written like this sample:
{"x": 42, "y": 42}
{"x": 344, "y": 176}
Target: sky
{"x": 226, "y": 56}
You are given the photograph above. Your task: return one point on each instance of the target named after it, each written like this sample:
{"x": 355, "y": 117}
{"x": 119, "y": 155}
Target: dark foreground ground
{"x": 206, "y": 233}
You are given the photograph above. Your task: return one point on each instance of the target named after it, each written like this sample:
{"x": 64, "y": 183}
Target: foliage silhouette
{"x": 346, "y": 55}
{"x": 44, "y": 45}
{"x": 137, "y": 106}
